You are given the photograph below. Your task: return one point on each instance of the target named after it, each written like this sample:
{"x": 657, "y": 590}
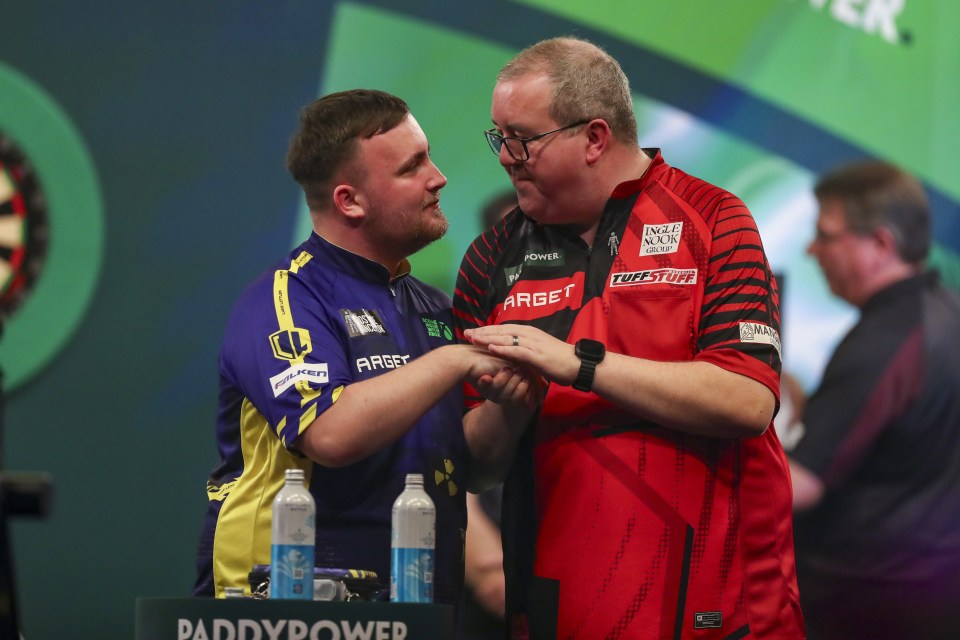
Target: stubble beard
{"x": 431, "y": 225}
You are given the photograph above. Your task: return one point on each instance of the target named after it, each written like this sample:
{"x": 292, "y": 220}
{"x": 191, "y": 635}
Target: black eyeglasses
{"x": 517, "y": 147}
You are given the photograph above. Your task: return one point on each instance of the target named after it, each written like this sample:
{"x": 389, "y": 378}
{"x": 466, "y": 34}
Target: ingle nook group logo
{"x": 363, "y": 322}
{"x": 659, "y": 239}
{"x": 761, "y": 333}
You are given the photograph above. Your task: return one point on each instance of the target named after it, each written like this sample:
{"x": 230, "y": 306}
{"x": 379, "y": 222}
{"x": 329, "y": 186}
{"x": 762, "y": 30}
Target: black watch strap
{"x": 584, "y": 381}
{"x": 591, "y": 354}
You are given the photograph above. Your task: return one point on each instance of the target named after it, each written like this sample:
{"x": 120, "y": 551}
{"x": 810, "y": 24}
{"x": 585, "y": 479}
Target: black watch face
{"x": 23, "y": 227}
{"x": 590, "y": 349}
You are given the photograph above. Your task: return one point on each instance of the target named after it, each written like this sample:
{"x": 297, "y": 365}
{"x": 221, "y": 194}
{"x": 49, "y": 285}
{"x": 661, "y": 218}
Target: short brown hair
{"x": 878, "y": 194}
{"x": 329, "y": 129}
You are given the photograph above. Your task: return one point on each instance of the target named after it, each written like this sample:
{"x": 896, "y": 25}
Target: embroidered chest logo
{"x": 437, "y": 329}
{"x": 653, "y": 276}
{"x": 660, "y": 238}
{"x": 363, "y": 322}
{"x": 544, "y": 258}
{"x": 290, "y": 344}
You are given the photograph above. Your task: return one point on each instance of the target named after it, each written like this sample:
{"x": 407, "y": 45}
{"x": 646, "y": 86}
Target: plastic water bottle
{"x": 412, "y": 543}
{"x": 292, "y": 540}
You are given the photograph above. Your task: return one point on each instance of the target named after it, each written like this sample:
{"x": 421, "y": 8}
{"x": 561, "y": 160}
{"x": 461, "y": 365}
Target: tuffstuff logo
{"x": 363, "y": 322}
{"x": 660, "y": 238}
{"x": 653, "y": 276}
{"x": 315, "y": 373}
{"x": 760, "y": 333}
{"x": 291, "y": 344}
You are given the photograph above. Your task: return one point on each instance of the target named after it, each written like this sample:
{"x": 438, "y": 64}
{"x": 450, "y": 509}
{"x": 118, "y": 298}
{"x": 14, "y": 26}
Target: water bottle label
{"x": 414, "y": 528}
{"x": 411, "y": 575}
{"x": 291, "y": 572}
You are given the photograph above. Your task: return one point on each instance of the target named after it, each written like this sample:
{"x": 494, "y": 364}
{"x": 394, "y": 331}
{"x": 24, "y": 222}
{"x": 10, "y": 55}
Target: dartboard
{"x": 23, "y": 227}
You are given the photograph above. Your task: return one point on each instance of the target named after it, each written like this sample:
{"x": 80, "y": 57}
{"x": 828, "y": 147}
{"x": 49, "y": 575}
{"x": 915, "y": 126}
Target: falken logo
{"x": 653, "y": 276}
{"x": 660, "y": 238}
{"x": 290, "y": 344}
{"x": 382, "y": 361}
{"x": 363, "y": 322}
{"x": 315, "y": 373}
{"x": 759, "y": 333}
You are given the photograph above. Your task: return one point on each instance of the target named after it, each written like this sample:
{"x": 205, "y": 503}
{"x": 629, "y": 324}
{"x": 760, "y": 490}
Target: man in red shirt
{"x": 650, "y": 499}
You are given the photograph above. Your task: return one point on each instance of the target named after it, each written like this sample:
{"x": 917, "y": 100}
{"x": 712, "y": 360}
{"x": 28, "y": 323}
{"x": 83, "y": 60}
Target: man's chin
{"x": 436, "y": 226}
{"x": 431, "y": 232}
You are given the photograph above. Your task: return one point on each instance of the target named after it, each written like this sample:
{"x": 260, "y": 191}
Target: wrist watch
{"x": 591, "y": 354}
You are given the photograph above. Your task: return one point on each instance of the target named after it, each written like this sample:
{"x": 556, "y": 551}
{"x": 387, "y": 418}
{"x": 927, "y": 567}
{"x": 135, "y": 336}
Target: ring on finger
{"x": 516, "y": 341}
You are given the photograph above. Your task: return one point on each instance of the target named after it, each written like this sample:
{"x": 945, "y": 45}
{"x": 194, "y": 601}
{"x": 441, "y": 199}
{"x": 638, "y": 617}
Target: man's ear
{"x": 349, "y": 201}
{"x": 598, "y": 139}
{"x": 884, "y": 237}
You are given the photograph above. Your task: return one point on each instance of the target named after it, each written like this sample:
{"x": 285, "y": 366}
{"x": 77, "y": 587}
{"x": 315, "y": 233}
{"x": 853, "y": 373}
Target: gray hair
{"x": 587, "y": 83}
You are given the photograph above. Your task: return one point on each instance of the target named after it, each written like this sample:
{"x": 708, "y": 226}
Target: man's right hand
{"x": 506, "y": 384}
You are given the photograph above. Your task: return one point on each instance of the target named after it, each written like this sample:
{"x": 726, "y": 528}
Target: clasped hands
{"x": 529, "y": 358}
